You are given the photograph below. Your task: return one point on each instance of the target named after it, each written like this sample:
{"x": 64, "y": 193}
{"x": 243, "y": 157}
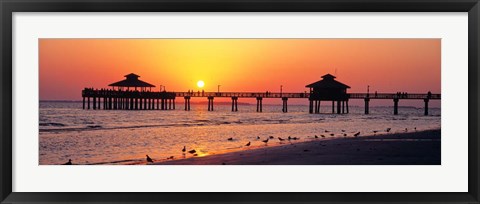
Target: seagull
{"x": 248, "y": 144}
{"x": 171, "y": 157}
{"x": 295, "y": 138}
{"x": 322, "y": 136}
{"x": 415, "y": 128}
{"x": 388, "y": 129}
{"x": 332, "y": 134}
{"x": 149, "y": 159}
{"x": 184, "y": 149}
{"x": 192, "y": 151}
{"x": 344, "y": 134}
{"x": 356, "y": 134}
{"x": 343, "y": 130}
{"x": 265, "y": 141}
{"x": 271, "y": 137}
{"x": 280, "y": 139}
{"x": 289, "y": 138}
{"x": 327, "y": 131}
{"x": 69, "y": 162}
{"x": 406, "y": 129}
{"x": 258, "y": 137}
{"x": 316, "y": 136}
{"x": 375, "y": 132}
{"x": 230, "y": 139}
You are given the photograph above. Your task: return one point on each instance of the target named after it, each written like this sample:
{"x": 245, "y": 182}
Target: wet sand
{"x": 412, "y": 148}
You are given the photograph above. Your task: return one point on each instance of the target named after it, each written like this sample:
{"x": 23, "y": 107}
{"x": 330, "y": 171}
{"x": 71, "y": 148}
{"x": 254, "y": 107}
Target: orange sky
{"x": 387, "y": 65}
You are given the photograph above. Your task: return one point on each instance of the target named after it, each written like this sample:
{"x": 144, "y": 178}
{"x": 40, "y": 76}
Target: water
{"x": 125, "y": 137}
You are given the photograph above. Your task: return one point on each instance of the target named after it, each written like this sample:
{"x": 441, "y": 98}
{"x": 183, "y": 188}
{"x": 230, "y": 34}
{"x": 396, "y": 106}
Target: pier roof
{"x": 131, "y": 81}
{"x": 328, "y": 82}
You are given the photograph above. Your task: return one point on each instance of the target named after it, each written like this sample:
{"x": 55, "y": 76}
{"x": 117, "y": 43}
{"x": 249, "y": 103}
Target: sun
{"x": 200, "y": 84}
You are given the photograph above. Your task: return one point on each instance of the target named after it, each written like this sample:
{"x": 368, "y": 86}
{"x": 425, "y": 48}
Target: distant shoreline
{"x": 413, "y": 148}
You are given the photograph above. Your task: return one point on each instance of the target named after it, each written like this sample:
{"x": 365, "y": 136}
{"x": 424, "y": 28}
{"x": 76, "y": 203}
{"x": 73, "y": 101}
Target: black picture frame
{"x": 7, "y": 8}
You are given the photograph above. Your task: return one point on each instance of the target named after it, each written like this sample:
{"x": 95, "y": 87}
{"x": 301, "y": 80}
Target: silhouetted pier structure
{"x": 328, "y": 89}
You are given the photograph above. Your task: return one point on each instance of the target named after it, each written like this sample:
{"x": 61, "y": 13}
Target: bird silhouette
{"x": 327, "y": 131}
{"x": 265, "y": 141}
{"x": 316, "y": 136}
{"x": 230, "y": 139}
{"x": 271, "y": 137}
{"x": 406, "y": 129}
{"x": 295, "y": 138}
{"x": 281, "y": 139}
{"x": 258, "y": 137}
{"x": 375, "y": 132}
{"x": 356, "y": 134}
{"x": 388, "y": 129}
{"x": 192, "y": 151}
{"x": 343, "y": 130}
{"x": 323, "y": 136}
{"x": 248, "y": 144}
{"x": 344, "y": 134}
{"x": 289, "y": 138}
{"x": 69, "y": 162}
{"x": 184, "y": 149}
{"x": 332, "y": 134}
{"x": 149, "y": 159}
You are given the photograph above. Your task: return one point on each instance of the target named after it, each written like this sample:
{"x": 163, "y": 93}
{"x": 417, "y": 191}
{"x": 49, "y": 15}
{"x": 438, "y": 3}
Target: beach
{"x": 409, "y": 148}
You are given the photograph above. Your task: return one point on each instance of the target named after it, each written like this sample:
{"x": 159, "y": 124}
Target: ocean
{"x": 112, "y": 137}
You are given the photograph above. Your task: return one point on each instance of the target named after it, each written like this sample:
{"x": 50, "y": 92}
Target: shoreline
{"x": 411, "y": 148}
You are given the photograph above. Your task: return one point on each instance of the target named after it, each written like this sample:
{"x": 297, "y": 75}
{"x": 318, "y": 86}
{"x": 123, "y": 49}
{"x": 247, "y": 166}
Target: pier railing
{"x": 243, "y": 94}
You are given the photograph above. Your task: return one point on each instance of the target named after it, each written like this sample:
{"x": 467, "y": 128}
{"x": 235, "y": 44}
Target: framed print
{"x": 259, "y": 101}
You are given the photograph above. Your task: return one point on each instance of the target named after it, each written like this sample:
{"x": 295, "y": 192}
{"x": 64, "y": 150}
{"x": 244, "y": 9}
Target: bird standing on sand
{"x": 271, "y": 137}
{"x": 327, "y": 131}
{"x": 192, "y": 151}
{"x": 375, "y": 132}
{"x": 265, "y": 141}
{"x": 316, "y": 136}
{"x": 230, "y": 139}
{"x": 184, "y": 149}
{"x": 69, "y": 162}
{"x": 281, "y": 139}
{"x": 332, "y": 134}
{"x": 388, "y": 129}
{"x": 258, "y": 137}
{"x": 323, "y": 136}
{"x": 289, "y": 138}
{"x": 248, "y": 144}
{"x": 356, "y": 134}
{"x": 149, "y": 159}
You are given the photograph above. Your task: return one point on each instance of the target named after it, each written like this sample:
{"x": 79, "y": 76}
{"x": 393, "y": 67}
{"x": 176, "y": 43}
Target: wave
{"x": 52, "y": 124}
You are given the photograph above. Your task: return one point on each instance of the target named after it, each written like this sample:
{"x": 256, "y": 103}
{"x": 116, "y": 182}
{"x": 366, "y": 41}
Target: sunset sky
{"x": 387, "y": 65}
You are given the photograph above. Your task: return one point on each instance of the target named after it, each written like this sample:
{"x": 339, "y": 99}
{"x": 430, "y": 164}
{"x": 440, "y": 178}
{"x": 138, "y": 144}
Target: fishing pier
{"x": 134, "y": 94}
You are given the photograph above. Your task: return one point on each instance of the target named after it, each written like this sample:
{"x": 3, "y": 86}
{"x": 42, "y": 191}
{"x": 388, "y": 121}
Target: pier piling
{"x": 367, "y": 100}
{"x": 210, "y": 103}
{"x": 259, "y": 104}
{"x": 426, "y": 106}
{"x": 285, "y": 105}
{"x": 395, "y": 106}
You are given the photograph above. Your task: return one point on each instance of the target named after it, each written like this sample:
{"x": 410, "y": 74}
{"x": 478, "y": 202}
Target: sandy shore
{"x": 414, "y": 148}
